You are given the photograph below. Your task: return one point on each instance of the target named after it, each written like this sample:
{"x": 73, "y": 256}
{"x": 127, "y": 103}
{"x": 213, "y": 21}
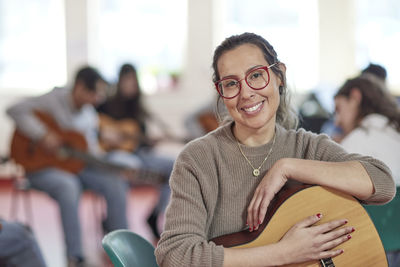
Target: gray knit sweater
{"x": 212, "y": 185}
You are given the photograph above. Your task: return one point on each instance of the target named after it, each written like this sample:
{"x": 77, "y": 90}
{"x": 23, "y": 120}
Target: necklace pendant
{"x": 256, "y": 172}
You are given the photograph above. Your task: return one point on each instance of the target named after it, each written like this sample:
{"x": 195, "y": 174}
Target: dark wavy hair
{"x": 285, "y": 114}
{"x": 375, "y": 99}
{"x": 133, "y": 105}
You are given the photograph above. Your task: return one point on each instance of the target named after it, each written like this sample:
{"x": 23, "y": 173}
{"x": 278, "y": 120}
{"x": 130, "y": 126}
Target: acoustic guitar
{"x": 126, "y": 132}
{"x": 293, "y": 204}
{"x": 72, "y": 156}
{"x": 32, "y": 156}
{"x": 208, "y": 121}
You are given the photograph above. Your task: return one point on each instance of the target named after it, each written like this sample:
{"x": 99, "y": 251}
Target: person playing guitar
{"x": 65, "y": 119}
{"x": 123, "y": 134}
{"x": 227, "y": 181}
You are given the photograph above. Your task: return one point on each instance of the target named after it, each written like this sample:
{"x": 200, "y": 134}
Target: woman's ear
{"x": 356, "y": 95}
{"x": 282, "y": 67}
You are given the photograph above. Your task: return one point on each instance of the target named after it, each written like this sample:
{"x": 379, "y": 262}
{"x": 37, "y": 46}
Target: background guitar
{"x": 208, "y": 121}
{"x": 124, "y": 134}
{"x": 293, "y": 204}
{"x": 71, "y": 157}
{"x": 32, "y": 156}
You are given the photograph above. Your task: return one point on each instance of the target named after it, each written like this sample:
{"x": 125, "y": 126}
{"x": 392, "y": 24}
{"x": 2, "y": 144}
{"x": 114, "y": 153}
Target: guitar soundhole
{"x": 327, "y": 262}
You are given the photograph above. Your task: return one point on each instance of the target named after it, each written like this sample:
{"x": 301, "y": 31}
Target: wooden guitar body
{"x": 34, "y": 157}
{"x": 128, "y": 131}
{"x": 291, "y": 206}
{"x": 73, "y": 155}
{"x": 208, "y": 121}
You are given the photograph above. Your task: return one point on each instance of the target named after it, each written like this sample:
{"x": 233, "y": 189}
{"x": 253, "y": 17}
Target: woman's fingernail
{"x": 319, "y": 215}
{"x": 348, "y": 236}
{"x": 345, "y": 221}
{"x": 341, "y": 251}
{"x": 352, "y": 229}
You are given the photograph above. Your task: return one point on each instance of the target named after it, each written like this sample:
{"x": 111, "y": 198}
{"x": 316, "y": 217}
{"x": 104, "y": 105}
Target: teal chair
{"x": 127, "y": 249}
{"x": 387, "y": 222}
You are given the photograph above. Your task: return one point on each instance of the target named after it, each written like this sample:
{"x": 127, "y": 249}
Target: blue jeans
{"x": 66, "y": 188}
{"x": 162, "y": 165}
{"x": 146, "y": 159}
{"x": 18, "y": 246}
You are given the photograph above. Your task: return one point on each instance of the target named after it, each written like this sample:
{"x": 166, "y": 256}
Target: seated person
{"x": 127, "y": 106}
{"x": 372, "y": 71}
{"x": 223, "y": 182}
{"x": 370, "y": 119}
{"x": 72, "y": 109}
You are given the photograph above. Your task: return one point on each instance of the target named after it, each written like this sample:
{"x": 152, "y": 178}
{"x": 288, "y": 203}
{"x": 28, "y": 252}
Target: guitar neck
{"x": 141, "y": 176}
{"x": 90, "y": 159}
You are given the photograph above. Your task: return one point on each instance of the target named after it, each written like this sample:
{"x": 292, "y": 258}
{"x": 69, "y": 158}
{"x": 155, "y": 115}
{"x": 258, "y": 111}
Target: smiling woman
{"x": 218, "y": 188}
{"x": 255, "y": 108}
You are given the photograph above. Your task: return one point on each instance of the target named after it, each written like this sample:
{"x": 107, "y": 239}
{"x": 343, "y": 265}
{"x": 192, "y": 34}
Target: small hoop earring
{"x": 280, "y": 89}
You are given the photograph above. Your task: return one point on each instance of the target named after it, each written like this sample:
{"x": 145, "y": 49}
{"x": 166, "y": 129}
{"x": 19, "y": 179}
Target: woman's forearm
{"x": 349, "y": 177}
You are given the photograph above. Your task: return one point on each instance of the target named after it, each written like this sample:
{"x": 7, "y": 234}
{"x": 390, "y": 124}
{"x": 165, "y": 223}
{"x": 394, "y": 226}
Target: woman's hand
{"x": 305, "y": 242}
{"x": 272, "y": 182}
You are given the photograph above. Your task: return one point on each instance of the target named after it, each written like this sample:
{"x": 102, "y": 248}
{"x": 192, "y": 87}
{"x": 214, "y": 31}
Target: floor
{"x": 47, "y": 228}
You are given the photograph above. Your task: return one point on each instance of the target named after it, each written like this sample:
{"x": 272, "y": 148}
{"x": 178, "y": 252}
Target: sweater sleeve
{"x": 321, "y": 147}
{"x": 184, "y": 239}
{"x": 24, "y": 118}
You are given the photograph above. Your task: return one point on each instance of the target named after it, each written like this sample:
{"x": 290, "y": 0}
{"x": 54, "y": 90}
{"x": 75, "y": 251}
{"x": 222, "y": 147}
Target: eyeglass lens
{"x": 256, "y": 79}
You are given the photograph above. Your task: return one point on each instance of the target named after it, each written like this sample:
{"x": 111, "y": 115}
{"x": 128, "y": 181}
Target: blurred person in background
{"x": 373, "y": 71}
{"x": 370, "y": 120}
{"x": 124, "y": 122}
{"x": 71, "y": 109}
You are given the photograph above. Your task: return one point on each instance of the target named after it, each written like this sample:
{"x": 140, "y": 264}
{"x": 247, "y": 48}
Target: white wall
{"x": 195, "y": 87}
{"x": 336, "y": 40}
{"x": 77, "y": 35}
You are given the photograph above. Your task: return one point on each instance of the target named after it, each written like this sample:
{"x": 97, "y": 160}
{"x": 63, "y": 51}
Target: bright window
{"x": 378, "y": 37}
{"x": 32, "y": 45}
{"x": 291, "y": 26}
{"x": 149, "y": 34}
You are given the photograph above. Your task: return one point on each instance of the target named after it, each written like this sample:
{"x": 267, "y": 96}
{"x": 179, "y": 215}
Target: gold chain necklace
{"x": 256, "y": 171}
